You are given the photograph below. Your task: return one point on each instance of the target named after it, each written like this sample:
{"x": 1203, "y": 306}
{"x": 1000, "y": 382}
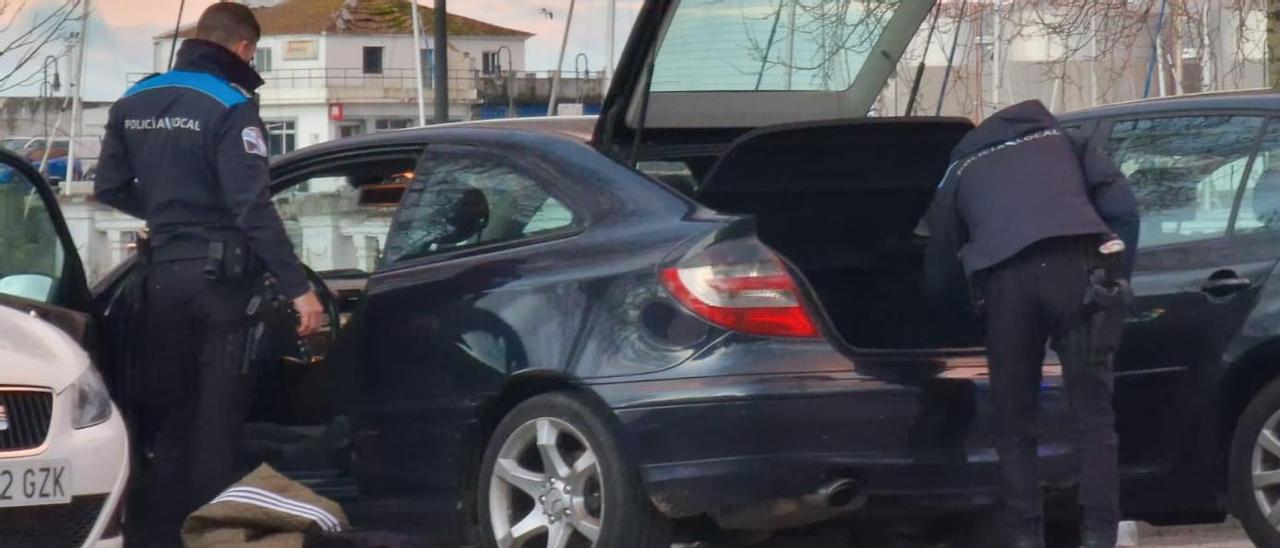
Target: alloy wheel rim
{"x": 1265, "y": 470}
{"x": 546, "y": 489}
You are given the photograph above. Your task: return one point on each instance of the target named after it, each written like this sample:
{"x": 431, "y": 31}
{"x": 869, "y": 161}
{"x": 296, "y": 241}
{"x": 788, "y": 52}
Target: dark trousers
{"x": 1032, "y": 299}
{"x": 192, "y": 397}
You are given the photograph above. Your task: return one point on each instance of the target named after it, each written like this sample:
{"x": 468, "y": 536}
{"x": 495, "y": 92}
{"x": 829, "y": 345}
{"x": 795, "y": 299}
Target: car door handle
{"x": 1222, "y": 287}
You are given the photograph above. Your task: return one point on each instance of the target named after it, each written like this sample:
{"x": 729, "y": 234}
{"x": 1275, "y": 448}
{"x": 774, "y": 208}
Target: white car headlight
{"x": 90, "y": 401}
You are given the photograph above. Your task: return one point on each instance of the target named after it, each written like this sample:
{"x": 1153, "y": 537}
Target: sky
{"x": 121, "y": 31}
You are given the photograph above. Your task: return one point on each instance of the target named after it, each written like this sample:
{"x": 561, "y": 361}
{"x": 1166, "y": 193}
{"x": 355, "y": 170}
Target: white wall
{"x": 277, "y": 44}
{"x": 337, "y": 52}
{"x": 311, "y": 121}
{"x": 347, "y": 52}
{"x": 476, "y": 46}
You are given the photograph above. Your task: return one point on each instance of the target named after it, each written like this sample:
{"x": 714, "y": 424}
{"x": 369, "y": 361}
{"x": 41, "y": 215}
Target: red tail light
{"x": 755, "y": 296}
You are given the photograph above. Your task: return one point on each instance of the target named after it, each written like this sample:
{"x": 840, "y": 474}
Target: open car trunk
{"x": 841, "y": 201}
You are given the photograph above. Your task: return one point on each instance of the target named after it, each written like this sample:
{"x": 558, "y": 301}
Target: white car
{"x": 64, "y": 451}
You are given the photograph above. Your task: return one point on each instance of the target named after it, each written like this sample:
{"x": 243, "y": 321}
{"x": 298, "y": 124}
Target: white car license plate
{"x": 35, "y": 483}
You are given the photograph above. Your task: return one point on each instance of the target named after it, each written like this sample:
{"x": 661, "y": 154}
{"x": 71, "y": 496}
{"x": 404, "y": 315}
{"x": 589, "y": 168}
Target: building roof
{"x": 362, "y": 17}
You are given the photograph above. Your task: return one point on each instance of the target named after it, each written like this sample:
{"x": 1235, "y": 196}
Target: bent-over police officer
{"x": 186, "y": 151}
{"x": 1045, "y": 227}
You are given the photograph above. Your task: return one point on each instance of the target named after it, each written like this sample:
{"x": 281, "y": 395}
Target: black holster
{"x": 1107, "y": 300}
{"x": 230, "y": 260}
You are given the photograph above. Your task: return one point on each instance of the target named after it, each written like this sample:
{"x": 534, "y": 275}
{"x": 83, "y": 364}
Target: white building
{"x": 333, "y": 68}
{"x": 336, "y": 68}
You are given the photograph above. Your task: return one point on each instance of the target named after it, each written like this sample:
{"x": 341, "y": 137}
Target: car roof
{"x": 1251, "y": 99}
{"x": 575, "y": 130}
{"x": 578, "y": 128}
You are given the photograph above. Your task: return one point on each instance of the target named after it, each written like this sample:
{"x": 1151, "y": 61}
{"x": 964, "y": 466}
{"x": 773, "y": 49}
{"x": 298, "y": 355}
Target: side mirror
{"x": 35, "y": 287}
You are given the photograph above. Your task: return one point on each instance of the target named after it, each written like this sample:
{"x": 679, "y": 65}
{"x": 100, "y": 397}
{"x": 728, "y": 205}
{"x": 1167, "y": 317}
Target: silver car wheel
{"x": 1265, "y": 468}
{"x": 546, "y": 488}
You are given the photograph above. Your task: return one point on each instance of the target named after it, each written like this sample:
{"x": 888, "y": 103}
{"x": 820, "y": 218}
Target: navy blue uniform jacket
{"x": 1018, "y": 179}
{"x": 187, "y": 152}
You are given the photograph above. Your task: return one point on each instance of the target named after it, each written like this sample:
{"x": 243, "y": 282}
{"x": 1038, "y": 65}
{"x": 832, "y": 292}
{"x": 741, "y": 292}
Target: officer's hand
{"x": 310, "y": 314}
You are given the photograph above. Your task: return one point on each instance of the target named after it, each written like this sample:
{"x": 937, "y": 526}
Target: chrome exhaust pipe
{"x": 835, "y": 498}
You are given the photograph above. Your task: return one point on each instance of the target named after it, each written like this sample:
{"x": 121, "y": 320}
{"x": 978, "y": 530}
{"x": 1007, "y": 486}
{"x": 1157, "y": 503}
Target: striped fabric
{"x": 272, "y": 501}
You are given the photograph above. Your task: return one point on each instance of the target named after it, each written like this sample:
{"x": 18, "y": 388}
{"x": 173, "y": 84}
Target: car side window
{"x": 1260, "y": 205}
{"x": 1185, "y": 172}
{"x": 338, "y": 219}
{"x": 31, "y": 253}
{"x": 458, "y": 200}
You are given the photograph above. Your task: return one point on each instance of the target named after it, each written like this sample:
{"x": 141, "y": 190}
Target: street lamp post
{"x": 47, "y": 90}
{"x": 582, "y": 75}
{"x": 510, "y": 80}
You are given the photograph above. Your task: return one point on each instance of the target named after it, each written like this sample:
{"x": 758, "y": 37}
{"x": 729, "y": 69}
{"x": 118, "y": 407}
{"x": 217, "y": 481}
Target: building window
{"x": 262, "y": 60}
{"x": 282, "y": 136}
{"x": 387, "y": 124}
{"x": 351, "y": 128}
{"x": 490, "y": 62}
{"x": 373, "y": 60}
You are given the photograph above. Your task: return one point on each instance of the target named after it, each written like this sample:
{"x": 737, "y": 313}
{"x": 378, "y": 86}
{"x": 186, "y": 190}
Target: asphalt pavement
{"x": 1227, "y": 535}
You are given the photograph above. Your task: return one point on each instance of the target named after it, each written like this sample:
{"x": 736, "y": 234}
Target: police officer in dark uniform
{"x": 185, "y": 150}
{"x": 1045, "y": 227}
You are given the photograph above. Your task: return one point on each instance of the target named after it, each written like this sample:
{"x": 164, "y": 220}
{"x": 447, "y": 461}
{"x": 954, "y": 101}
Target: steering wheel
{"x": 280, "y": 325}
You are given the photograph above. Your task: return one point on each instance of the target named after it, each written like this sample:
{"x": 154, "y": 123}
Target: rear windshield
{"x": 768, "y": 45}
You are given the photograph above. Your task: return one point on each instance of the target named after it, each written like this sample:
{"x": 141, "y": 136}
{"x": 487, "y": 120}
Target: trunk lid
{"x": 840, "y": 201}
{"x": 742, "y": 64}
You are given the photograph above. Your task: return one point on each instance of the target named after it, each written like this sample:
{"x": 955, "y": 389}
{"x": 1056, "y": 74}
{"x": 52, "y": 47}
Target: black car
{"x": 1198, "y": 376}
{"x": 704, "y": 311}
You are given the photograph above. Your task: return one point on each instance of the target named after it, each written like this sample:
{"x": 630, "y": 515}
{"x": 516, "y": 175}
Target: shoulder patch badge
{"x": 253, "y": 141}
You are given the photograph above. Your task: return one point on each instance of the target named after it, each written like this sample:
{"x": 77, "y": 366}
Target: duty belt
{"x": 179, "y": 250}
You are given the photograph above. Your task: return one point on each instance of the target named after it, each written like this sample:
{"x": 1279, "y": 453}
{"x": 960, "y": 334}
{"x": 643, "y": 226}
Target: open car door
{"x": 40, "y": 270}
{"x": 699, "y": 66}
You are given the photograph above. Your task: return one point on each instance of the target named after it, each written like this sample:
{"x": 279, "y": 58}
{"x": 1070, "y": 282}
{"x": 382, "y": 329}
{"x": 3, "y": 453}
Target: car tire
{"x": 1261, "y": 418}
{"x": 523, "y": 503}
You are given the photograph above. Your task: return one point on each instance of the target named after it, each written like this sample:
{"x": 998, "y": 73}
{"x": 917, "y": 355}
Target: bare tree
{"x": 1095, "y": 51}
{"x": 28, "y": 34}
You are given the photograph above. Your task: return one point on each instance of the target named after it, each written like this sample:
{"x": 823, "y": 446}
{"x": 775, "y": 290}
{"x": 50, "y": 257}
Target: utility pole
{"x": 1160, "y": 60}
{"x": 612, "y": 22}
{"x": 1093, "y": 61}
{"x": 791, "y": 43}
{"x": 1273, "y": 44}
{"x": 1206, "y": 49}
{"x": 77, "y": 92}
{"x": 440, "y": 41}
{"x": 995, "y": 58}
{"x": 564, "y": 43}
{"x": 417, "y": 62}
{"x": 1178, "y": 64}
